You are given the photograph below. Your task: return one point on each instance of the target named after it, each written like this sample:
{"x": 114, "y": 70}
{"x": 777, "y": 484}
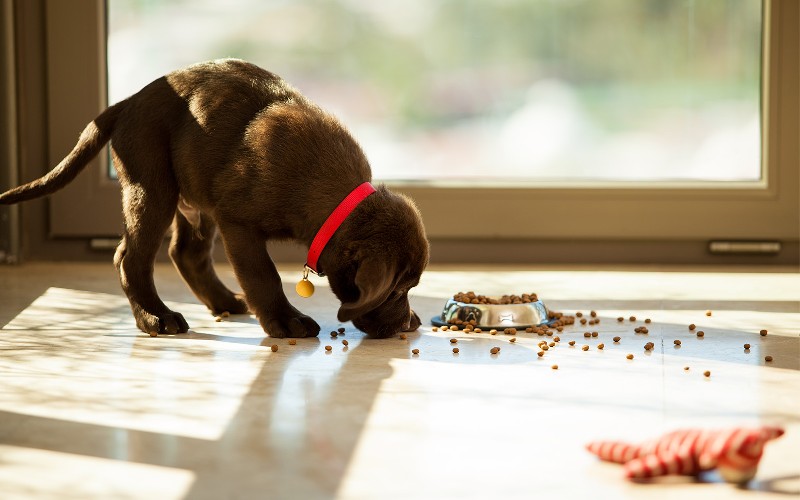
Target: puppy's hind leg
{"x": 190, "y": 250}
{"x": 148, "y": 207}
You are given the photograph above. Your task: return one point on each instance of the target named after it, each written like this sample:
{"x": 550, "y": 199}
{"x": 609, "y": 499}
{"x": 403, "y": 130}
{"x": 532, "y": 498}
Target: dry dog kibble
{"x": 649, "y": 346}
{"x": 556, "y": 339}
{"x": 403, "y": 336}
{"x": 455, "y": 350}
{"x": 747, "y": 346}
{"x": 617, "y": 339}
{"x": 544, "y": 347}
{"x": 512, "y": 339}
{"x": 686, "y": 368}
{"x": 341, "y": 329}
{"x": 620, "y": 319}
{"x": 701, "y": 333}
{"x": 708, "y": 313}
{"x": 552, "y": 344}
{"x": 225, "y": 314}
{"x": 583, "y": 321}
{"x": 453, "y": 341}
{"x": 454, "y": 328}
{"x": 767, "y": 358}
{"x": 647, "y": 320}
{"x": 587, "y": 334}
{"x": 632, "y": 318}
{"x": 629, "y": 356}
{"x": 328, "y": 348}
{"x": 578, "y": 314}
{"x": 692, "y": 326}
{"x": 334, "y": 335}
{"x": 494, "y": 350}
{"x": 478, "y": 330}
{"x": 293, "y": 342}
{"x": 571, "y": 342}
{"x": 493, "y": 332}
{"x": 435, "y": 328}
{"x": 593, "y": 314}
{"x": 595, "y": 334}
{"x": 540, "y": 353}
{"x": 763, "y": 333}
{"x": 414, "y": 351}
{"x": 217, "y": 319}
{"x": 554, "y": 367}
{"x": 601, "y": 346}
{"x": 274, "y": 347}
{"x": 585, "y": 348}
{"x": 676, "y": 342}
{"x": 155, "y": 334}
{"x": 345, "y": 343}
{"x": 707, "y": 373}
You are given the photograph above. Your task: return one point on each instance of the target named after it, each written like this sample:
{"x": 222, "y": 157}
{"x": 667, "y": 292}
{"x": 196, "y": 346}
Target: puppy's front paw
{"x": 169, "y": 322}
{"x": 293, "y": 324}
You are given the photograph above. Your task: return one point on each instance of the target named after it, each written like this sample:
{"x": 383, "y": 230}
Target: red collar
{"x": 333, "y": 222}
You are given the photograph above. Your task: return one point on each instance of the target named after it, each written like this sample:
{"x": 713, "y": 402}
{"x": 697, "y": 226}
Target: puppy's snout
{"x": 413, "y": 322}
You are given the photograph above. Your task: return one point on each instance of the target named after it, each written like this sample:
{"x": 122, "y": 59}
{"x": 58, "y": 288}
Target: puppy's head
{"x": 378, "y": 258}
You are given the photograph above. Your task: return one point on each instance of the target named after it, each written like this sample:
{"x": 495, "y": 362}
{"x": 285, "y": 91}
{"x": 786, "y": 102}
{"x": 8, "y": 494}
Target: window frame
{"x": 543, "y": 215}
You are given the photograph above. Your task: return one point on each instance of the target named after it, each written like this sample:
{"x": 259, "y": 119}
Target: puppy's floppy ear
{"x": 375, "y": 279}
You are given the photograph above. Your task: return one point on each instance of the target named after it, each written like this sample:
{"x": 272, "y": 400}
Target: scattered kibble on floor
{"x": 274, "y": 347}
{"x": 629, "y": 356}
{"x": 707, "y": 373}
{"x": 763, "y": 333}
{"x": 767, "y": 358}
{"x": 414, "y": 351}
{"x": 328, "y": 348}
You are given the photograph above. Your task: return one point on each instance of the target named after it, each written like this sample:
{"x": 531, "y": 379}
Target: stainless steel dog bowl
{"x": 494, "y": 315}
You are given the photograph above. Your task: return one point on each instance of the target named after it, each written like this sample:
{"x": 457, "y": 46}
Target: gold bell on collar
{"x": 304, "y": 287}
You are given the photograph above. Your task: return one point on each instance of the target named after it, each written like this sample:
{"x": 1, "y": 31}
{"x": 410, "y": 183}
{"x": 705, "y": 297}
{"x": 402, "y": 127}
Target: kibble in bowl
{"x": 503, "y": 313}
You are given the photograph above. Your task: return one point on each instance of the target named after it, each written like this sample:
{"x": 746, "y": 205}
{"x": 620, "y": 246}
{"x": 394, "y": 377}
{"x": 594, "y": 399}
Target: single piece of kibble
{"x": 556, "y": 339}
{"x": 768, "y": 358}
{"x": 617, "y": 339}
{"x": 747, "y": 346}
{"x": 478, "y": 330}
{"x": 340, "y": 329}
{"x": 595, "y": 334}
{"x": 686, "y": 368}
{"x": 328, "y": 348}
{"x": 571, "y": 342}
{"x": 578, "y": 314}
{"x": 294, "y": 341}
{"x": 344, "y": 342}
{"x": 552, "y": 344}
{"x": 512, "y": 339}
{"x": 701, "y": 333}
{"x": 435, "y": 328}
{"x": 493, "y": 332}
{"x": 414, "y": 351}
{"x": 692, "y": 326}
{"x": 763, "y": 333}
{"x": 585, "y": 348}
{"x": 554, "y": 367}
{"x": 632, "y": 318}
{"x": 218, "y": 319}
{"x": 587, "y": 334}
{"x": 707, "y": 373}
{"x": 629, "y": 356}
{"x": 494, "y": 350}
{"x": 334, "y": 334}
{"x": 274, "y": 347}
{"x": 225, "y": 314}
{"x": 454, "y": 328}
{"x": 647, "y": 320}
{"x": 453, "y": 341}
{"x": 403, "y": 336}
{"x": 708, "y": 313}
{"x": 540, "y": 353}
{"x": 601, "y": 346}
{"x": 620, "y": 319}
{"x": 455, "y": 350}
{"x": 544, "y": 347}
{"x": 593, "y": 314}
{"x": 155, "y": 334}
{"x": 676, "y": 342}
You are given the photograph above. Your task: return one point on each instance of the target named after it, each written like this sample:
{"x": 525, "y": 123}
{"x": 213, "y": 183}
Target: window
{"x": 694, "y": 142}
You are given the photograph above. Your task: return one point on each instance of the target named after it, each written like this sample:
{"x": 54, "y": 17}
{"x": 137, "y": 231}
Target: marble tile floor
{"x": 92, "y": 408}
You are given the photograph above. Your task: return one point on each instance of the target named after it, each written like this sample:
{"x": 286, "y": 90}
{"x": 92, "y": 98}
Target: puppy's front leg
{"x": 261, "y": 283}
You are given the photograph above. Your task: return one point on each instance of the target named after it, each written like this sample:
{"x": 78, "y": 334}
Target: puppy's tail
{"x": 90, "y": 143}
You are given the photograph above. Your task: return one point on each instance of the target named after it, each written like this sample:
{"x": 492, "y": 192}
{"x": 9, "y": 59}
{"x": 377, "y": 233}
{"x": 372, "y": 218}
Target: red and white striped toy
{"x": 735, "y": 452}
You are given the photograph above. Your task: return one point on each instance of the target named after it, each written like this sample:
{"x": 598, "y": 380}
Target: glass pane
{"x": 489, "y": 91}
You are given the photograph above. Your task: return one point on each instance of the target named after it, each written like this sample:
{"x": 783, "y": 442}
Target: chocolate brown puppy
{"x": 227, "y": 146}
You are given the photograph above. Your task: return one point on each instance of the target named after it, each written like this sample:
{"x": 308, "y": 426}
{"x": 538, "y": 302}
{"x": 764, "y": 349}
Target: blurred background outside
{"x": 490, "y": 91}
